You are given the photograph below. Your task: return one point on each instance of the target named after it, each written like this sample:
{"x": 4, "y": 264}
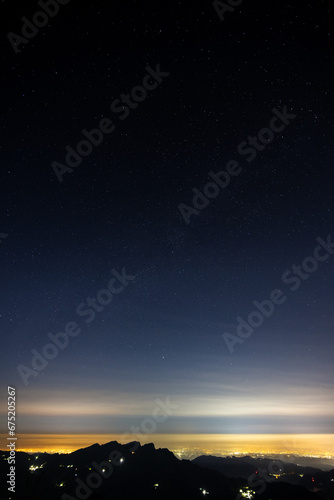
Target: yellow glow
{"x": 317, "y": 445}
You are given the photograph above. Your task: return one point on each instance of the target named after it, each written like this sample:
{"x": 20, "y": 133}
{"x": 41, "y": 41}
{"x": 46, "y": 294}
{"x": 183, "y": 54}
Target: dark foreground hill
{"x": 245, "y": 466}
{"x": 265, "y": 474}
{"x": 113, "y": 471}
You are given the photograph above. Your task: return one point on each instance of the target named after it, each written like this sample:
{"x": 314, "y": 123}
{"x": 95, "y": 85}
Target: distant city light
{"x": 247, "y": 493}
{"x": 35, "y": 467}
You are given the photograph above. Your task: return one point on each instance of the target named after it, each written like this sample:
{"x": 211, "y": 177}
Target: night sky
{"x": 134, "y": 206}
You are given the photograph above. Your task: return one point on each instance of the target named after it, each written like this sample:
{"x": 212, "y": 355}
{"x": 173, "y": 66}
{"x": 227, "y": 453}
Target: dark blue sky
{"x": 162, "y": 334}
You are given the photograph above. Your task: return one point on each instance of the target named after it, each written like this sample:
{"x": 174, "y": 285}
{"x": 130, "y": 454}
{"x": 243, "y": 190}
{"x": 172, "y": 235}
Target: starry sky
{"x": 121, "y": 212}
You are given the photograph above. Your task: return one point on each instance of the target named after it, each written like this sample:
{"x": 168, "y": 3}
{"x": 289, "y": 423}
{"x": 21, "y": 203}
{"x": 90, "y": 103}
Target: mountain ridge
{"x": 132, "y": 470}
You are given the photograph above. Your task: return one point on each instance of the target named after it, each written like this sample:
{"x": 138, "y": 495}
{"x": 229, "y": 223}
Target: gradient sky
{"x": 163, "y": 334}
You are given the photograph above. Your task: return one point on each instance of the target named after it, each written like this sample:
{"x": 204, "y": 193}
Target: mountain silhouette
{"x": 113, "y": 471}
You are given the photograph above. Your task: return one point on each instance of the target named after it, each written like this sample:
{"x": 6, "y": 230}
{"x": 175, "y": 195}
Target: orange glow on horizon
{"x": 320, "y": 445}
